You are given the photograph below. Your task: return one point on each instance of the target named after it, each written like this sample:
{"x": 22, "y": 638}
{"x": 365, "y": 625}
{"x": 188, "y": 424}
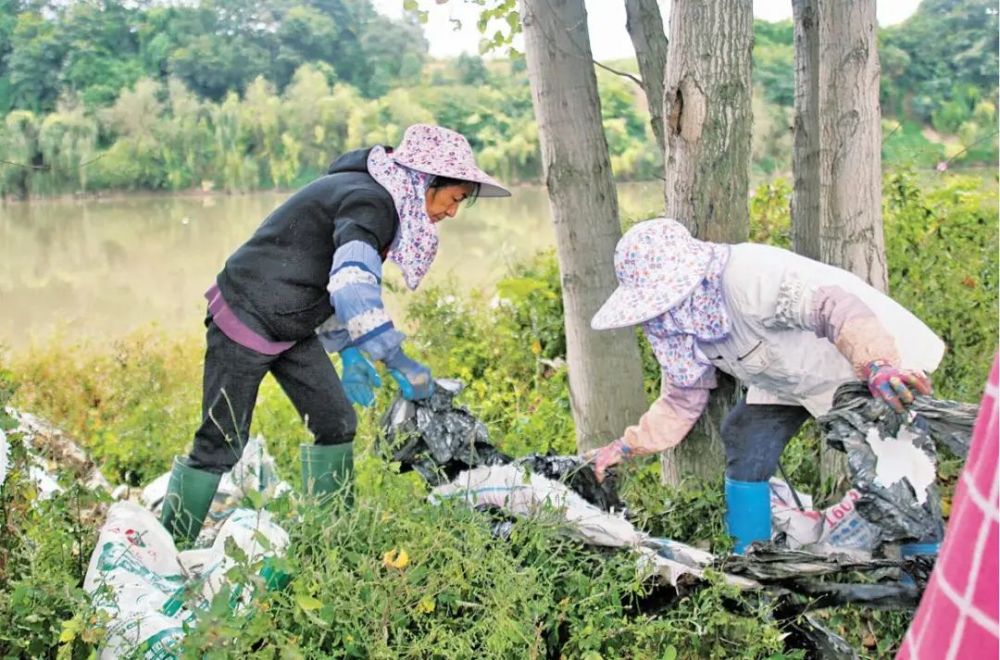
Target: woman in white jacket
{"x": 791, "y": 329}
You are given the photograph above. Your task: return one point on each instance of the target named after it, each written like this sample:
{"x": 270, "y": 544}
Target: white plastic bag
{"x": 839, "y": 527}
{"x": 137, "y": 576}
{"x": 134, "y": 576}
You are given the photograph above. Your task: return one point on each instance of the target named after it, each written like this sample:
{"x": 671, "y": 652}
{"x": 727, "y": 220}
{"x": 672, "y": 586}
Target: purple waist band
{"x": 236, "y": 330}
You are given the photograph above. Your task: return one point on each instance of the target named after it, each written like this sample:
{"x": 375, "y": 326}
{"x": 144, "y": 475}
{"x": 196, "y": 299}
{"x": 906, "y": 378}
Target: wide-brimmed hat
{"x": 437, "y": 150}
{"x": 658, "y": 265}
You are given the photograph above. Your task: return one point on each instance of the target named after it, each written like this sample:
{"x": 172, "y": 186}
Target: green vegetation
{"x": 234, "y": 95}
{"x": 133, "y": 404}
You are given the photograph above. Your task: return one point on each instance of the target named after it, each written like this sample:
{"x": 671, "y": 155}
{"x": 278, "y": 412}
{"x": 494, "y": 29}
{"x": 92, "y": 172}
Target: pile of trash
{"x": 48, "y": 448}
{"x": 136, "y": 575}
{"x": 151, "y": 591}
{"x": 894, "y": 500}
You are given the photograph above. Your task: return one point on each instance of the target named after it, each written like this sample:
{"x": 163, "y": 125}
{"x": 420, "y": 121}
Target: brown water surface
{"x": 99, "y": 268}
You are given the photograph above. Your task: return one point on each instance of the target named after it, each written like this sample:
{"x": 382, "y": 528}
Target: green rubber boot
{"x": 327, "y": 469}
{"x": 189, "y": 497}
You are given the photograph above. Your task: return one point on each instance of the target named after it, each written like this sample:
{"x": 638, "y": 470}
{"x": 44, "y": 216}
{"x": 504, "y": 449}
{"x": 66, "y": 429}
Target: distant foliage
{"x": 240, "y": 96}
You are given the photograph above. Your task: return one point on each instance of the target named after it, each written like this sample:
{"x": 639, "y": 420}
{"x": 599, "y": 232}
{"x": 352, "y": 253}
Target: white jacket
{"x": 772, "y": 346}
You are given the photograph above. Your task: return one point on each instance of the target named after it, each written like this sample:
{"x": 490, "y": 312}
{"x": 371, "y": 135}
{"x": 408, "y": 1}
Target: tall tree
{"x": 708, "y": 119}
{"x": 645, "y": 28}
{"x": 605, "y": 376}
{"x": 837, "y": 160}
{"x": 837, "y": 157}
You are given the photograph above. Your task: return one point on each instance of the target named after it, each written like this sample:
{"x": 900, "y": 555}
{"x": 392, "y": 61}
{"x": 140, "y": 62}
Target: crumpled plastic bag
{"x": 949, "y": 422}
{"x": 836, "y": 529}
{"x": 435, "y": 437}
{"x": 440, "y": 439}
{"x": 137, "y": 576}
{"x": 892, "y": 463}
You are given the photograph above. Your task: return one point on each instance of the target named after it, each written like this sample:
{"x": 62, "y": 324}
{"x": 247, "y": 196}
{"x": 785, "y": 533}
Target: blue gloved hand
{"x": 360, "y": 378}
{"x": 414, "y": 379}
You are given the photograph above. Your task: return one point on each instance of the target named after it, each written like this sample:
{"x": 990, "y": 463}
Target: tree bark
{"x": 605, "y": 374}
{"x": 645, "y": 27}
{"x": 708, "y": 117}
{"x": 836, "y": 158}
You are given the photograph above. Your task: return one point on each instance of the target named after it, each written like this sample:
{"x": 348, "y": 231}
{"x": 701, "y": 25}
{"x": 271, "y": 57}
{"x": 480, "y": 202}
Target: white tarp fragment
{"x": 898, "y": 458}
{"x": 512, "y": 489}
{"x": 4, "y": 457}
{"x": 40, "y": 438}
{"x": 137, "y": 576}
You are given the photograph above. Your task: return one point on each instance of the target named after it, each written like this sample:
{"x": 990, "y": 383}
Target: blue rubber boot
{"x": 927, "y": 548}
{"x": 748, "y": 512}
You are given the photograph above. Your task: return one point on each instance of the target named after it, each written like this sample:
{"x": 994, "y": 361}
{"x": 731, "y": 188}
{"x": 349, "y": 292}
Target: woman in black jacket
{"x": 309, "y": 281}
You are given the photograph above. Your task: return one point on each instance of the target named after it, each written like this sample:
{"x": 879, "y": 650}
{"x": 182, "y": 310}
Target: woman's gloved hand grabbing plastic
{"x": 895, "y": 386}
{"x": 414, "y": 379}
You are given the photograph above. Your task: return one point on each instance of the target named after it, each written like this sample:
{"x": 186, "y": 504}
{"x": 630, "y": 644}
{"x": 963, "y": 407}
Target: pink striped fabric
{"x": 958, "y": 616}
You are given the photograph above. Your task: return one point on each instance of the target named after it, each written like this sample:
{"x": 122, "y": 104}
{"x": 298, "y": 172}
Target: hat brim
{"x": 627, "y": 306}
{"x": 492, "y": 189}
{"x": 488, "y": 186}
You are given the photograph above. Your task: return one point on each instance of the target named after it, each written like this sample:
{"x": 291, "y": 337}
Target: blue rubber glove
{"x": 360, "y": 377}
{"x": 414, "y": 379}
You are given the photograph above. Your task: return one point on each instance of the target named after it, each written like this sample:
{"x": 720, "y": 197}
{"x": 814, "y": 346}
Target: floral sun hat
{"x": 406, "y": 174}
{"x": 658, "y": 265}
{"x": 437, "y": 150}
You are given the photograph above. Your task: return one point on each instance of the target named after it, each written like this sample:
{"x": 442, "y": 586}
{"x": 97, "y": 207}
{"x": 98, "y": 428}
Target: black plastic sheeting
{"x": 896, "y": 510}
{"x": 949, "y": 422}
{"x": 435, "y": 437}
{"x": 439, "y": 439}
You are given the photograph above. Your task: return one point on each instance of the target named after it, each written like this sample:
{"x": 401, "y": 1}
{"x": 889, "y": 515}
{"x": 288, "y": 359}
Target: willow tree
{"x": 837, "y": 153}
{"x": 707, "y": 111}
{"x": 605, "y": 375}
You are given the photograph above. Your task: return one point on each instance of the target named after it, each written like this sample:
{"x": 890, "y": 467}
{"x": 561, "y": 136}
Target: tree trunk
{"x": 605, "y": 374}
{"x": 708, "y": 119}
{"x": 645, "y": 27}
{"x": 837, "y": 159}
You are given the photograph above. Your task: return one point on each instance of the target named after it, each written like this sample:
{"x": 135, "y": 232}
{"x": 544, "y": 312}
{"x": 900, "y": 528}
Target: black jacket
{"x": 276, "y": 281}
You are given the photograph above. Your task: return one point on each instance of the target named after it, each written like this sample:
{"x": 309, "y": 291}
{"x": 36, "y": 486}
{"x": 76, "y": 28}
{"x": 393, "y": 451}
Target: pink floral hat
{"x": 658, "y": 265}
{"x": 437, "y": 150}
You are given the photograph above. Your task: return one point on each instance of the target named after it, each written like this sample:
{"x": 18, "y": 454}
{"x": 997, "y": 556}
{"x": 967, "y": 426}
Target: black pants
{"x": 754, "y": 437}
{"x": 232, "y": 377}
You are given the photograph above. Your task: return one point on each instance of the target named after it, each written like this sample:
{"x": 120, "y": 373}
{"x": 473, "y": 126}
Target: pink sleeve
{"x": 852, "y": 327}
{"x": 670, "y": 418}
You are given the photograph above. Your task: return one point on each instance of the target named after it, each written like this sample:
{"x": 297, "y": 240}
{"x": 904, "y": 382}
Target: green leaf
{"x": 235, "y": 551}
{"x": 410, "y": 5}
{"x": 308, "y": 603}
{"x": 669, "y": 653}
{"x": 514, "y": 21}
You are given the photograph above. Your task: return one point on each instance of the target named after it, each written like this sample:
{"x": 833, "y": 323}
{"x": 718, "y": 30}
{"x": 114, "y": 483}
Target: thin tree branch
{"x": 27, "y": 167}
{"x": 619, "y": 73}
